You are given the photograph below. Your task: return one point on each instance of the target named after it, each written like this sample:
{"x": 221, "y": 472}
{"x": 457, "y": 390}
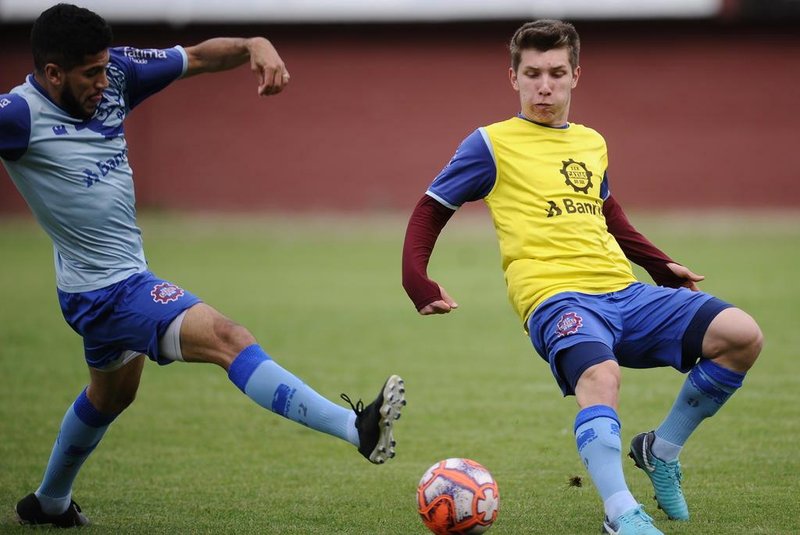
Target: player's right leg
{"x": 118, "y": 323}
{"x": 597, "y": 433}
{"x": 574, "y": 333}
{"x": 208, "y": 336}
{"x": 82, "y": 428}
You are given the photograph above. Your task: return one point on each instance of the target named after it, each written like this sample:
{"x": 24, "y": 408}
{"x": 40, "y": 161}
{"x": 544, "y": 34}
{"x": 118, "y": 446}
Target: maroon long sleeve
{"x": 424, "y": 226}
{"x": 637, "y": 248}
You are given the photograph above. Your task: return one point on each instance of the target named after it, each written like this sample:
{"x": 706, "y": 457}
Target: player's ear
{"x": 54, "y": 74}
{"x": 575, "y": 75}
{"x": 512, "y": 76}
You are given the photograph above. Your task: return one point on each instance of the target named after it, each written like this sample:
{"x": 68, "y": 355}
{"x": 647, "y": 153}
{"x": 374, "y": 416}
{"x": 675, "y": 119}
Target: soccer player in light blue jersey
{"x": 63, "y": 144}
{"x": 566, "y": 247}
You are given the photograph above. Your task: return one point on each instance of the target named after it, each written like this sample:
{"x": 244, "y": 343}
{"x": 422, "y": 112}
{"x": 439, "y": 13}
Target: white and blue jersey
{"x": 74, "y": 173}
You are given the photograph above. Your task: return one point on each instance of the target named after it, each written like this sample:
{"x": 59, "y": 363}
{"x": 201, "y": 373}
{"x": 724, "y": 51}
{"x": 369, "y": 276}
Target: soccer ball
{"x": 457, "y": 497}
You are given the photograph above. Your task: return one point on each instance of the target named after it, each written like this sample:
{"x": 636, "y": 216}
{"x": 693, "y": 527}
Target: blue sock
{"x": 274, "y": 388}
{"x": 707, "y": 387}
{"x": 81, "y": 430}
{"x": 600, "y": 447}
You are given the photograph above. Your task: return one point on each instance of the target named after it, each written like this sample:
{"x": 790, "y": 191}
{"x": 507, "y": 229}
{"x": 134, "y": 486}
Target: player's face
{"x": 545, "y": 81}
{"x": 82, "y": 88}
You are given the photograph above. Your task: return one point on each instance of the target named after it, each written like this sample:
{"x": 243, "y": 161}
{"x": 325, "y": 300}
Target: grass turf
{"x": 323, "y": 296}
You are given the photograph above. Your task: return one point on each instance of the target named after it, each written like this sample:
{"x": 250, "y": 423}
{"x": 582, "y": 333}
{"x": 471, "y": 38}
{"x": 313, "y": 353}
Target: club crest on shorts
{"x": 164, "y": 292}
{"x": 568, "y": 323}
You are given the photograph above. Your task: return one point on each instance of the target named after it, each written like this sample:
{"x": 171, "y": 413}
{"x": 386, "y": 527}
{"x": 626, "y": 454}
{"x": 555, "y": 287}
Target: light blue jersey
{"x": 74, "y": 173}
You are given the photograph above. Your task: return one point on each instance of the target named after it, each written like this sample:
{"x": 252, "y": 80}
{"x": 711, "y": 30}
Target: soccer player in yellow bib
{"x": 566, "y": 247}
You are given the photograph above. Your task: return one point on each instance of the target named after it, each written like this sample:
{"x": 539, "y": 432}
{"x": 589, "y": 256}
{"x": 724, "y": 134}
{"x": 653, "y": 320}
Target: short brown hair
{"x": 544, "y": 35}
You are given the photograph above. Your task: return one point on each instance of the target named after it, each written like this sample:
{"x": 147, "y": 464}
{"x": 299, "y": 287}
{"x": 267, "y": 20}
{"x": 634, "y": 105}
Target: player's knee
{"x": 736, "y": 337}
{"x": 232, "y": 335}
{"x": 749, "y": 342}
{"x": 599, "y": 383}
{"x": 112, "y": 402}
{"x": 124, "y": 400}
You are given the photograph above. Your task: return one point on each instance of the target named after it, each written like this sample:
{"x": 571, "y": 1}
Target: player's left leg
{"x": 208, "y": 336}
{"x": 728, "y": 341}
{"x": 730, "y": 346}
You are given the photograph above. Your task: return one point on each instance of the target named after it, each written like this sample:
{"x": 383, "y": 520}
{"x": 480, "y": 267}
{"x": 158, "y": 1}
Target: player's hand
{"x": 267, "y": 66}
{"x": 442, "y": 306}
{"x": 690, "y": 279}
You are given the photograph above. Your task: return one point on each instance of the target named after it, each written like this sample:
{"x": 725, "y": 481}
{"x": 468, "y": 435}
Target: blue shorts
{"x": 130, "y": 315}
{"x": 641, "y": 326}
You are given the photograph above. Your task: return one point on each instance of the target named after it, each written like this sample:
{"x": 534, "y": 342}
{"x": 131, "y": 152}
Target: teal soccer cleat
{"x": 632, "y": 522}
{"x": 665, "y": 476}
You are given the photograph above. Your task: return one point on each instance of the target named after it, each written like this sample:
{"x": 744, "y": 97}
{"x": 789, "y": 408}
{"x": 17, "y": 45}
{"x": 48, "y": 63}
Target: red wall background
{"x": 695, "y": 115}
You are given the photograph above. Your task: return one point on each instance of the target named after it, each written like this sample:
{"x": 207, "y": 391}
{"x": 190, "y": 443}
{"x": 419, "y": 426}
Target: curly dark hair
{"x": 544, "y": 35}
{"x": 65, "y": 34}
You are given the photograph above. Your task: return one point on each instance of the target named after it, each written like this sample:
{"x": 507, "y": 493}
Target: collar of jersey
{"x": 562, "y": 127}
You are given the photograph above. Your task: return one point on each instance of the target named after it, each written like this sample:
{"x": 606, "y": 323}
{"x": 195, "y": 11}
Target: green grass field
{"x": 193, "y": 455}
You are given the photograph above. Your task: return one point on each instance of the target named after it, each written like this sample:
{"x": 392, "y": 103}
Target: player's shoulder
{"x": 121, "y": 56}
{"x": 135, "y": 62}
{"x": 582, "y": 129}
{"x": 13, "y": 97}
{"x": 15, "y": 126}
{"x": 12, "y": 106}
{"x": 505, "y": 123}
{"x": 143, "y": 56}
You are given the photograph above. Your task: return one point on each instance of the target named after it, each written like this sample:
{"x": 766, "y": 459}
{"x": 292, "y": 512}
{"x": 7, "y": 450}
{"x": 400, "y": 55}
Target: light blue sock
{"x": 707, "y": 387}
{"x": 274, "y": 388}
{"x": 600, "y": 447}
{"x": 81, "y": 430}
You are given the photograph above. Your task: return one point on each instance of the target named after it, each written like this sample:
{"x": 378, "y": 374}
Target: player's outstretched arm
{"x": 424, "y": 226}
{"x": 224, "y": 53}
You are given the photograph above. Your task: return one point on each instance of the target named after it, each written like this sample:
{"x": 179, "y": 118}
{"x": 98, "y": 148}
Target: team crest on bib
{"x": 568, "y": 323}
{"x": 577, "y": 175}
{"x": 165, "y": 292}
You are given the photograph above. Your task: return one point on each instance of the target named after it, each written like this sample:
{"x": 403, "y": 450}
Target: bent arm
{"x": 424, "y": 226}
{"x": 637, "y": 248}
{"x": 224, "y": 53}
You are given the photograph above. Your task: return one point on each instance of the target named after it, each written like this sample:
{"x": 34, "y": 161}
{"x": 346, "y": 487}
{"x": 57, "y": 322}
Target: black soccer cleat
{"x": 376, "y": 421}
{"x": 29, "y": 512}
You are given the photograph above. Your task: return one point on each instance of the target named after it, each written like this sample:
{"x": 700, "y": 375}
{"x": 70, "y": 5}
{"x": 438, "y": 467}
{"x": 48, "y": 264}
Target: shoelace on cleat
{"x": 672, "y": 472}
{"x": 358, "y": 407}
{"x": 640, "y": 519}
